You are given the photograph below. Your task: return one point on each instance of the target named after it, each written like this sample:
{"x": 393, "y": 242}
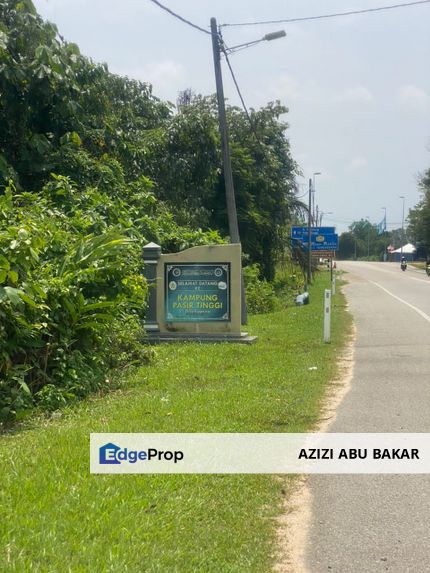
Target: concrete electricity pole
{"x": 309, "y": 273}
{"x": 385, "y": 229}
{"x": 233, "y": 226}
{"x": 403, "y": 224}
{"x": 315, "y": 221}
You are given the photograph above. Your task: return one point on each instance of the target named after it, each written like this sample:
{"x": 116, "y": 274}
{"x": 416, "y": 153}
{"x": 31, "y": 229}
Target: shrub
{"x": 72, "y": 291}
{"x": 260, "y": 294}
{"x": 289, "y": 282}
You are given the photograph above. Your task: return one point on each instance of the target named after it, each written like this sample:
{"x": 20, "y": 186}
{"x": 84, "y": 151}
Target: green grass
{"x": 418, "y": 264}
{"x": 56, "y": 517}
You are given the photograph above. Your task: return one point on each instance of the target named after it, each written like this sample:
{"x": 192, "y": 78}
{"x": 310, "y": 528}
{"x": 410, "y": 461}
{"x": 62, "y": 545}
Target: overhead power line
{"x": 236, "y": 84}
{"x": 245, "y": 109}
{"x": 181, "y": 18}
{"x": 333, "y": 15}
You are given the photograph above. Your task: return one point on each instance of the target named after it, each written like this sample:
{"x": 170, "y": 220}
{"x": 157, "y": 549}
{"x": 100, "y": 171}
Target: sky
{"x": 357, "y": 87}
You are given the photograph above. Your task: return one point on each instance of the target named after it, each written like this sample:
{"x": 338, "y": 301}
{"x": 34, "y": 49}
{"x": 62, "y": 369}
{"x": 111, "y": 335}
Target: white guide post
{"x": 327, "y": 312}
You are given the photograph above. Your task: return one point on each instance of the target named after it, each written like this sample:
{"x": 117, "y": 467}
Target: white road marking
{"x": 391, "y": 270}
{"x": 419, "y": 280}
{"x": 417, "y": 310}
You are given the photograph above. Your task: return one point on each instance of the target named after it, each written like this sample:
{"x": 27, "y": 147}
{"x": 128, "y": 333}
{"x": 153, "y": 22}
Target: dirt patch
{"x": 294, "y": 523}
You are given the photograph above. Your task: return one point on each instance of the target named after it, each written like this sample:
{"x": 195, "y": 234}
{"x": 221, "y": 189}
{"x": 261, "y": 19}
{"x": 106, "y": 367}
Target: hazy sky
{"x": 357, "y": 87}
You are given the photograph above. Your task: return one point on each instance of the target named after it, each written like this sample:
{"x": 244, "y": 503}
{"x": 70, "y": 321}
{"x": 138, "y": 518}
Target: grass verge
{"x": 56, "y": 517}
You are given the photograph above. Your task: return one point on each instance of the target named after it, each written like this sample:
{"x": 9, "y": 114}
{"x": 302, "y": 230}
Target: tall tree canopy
{"x": 63, "y": 113}
{"x": 419, "y": 217}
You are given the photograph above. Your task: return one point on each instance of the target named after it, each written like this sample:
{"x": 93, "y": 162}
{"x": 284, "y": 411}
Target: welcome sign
{"x": 196, "y": 292}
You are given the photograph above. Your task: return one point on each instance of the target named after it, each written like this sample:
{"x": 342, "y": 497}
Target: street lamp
{"x": 233, "y": 225}
{"x": 324, "y": 213}
{"x": 313, "y": 195}
{"x": 368, "y": 236}
{"x": 309, "y": 273}
{"x": 403, "y": 222}
{"x": 267, "y": 38}
{"x": 385, "y": 228}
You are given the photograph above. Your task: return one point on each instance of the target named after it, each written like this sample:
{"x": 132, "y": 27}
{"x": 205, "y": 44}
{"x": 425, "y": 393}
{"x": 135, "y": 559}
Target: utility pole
{"x": 385, "y": 230}
{"x": 368, "y": 237}
{"x": 233, "y": 226}
{"x": 315, "y": 221}
{"x": 403, "y": 224}
{"x": 309, "y": 274}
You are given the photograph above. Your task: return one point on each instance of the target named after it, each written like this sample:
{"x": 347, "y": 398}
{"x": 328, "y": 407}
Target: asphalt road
{"x": 379, "y": 523}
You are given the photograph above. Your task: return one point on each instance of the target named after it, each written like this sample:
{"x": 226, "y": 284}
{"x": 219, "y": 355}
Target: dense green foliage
{"x": 92, "y": 166}
{"x": 72, "y": 293}
{"x": 66, "y": 114}
{"x": 263, "y": 296}
{"x": 189, "y": 177}
{"x": 362, "y": 241}
{"x": 419, "y": 217}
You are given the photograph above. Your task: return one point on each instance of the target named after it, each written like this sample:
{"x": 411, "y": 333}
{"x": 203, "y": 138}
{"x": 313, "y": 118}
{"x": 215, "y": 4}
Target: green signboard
{"x": 197, "y": 292}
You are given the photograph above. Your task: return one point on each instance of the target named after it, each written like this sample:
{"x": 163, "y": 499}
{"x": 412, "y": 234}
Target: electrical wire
{"x": 181, "y": 18}
{"x": 333, "y": 15}
{"x": 236, "y": 84}
{"x": 394, "y": 224}
{"x": 225, "y": 50}
{"x": 300, "y": 196}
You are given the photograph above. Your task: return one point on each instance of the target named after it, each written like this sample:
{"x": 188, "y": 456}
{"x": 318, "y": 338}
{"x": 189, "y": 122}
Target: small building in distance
{"x": 408, "y": 251}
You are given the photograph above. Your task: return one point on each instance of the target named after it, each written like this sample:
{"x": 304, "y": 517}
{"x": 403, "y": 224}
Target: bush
{"x": 72, "y": 291}
{"x": 289, "y": 282}
{"x": 260, "y": 294}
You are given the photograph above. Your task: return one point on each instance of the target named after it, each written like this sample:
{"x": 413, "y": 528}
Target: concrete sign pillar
{"x": 151, "y": 256}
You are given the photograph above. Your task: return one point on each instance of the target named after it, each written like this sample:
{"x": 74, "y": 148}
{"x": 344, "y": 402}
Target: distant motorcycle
{"x": 428, "y": 269}
{"x": 403, "y": 265}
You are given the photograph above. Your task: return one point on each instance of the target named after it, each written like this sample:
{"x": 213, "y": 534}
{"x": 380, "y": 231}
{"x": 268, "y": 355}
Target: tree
{"x": 347, "y": 246}
{"x": 419, "y": 217}
{"x": 65, "y": 114}
{"x": 363, "y": 241}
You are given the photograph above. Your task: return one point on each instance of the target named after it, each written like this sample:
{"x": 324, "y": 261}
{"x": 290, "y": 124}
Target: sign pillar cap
{"x": 151, "y": 251}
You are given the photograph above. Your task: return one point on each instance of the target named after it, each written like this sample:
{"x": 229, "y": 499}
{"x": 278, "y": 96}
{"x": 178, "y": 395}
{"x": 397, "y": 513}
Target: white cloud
{"x": 356, "y": 94}
{"x": 285, "y": 87}
{"x": 290, "y": 89}
{"x": 357, "y": 163}
{"x": 161, "y": 74}
{"x": 413, "y": 97}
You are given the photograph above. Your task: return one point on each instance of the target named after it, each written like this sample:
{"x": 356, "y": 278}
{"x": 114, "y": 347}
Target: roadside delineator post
{"x": 333, "y": 285}
{"x": 327, "y": 312}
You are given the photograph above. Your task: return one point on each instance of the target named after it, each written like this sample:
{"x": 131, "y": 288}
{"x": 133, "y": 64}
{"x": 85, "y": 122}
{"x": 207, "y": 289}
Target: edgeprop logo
{"x": 112, "y": 454}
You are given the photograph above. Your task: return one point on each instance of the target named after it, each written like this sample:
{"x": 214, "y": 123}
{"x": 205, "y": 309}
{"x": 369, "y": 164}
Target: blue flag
{"x": 382, "y": 226}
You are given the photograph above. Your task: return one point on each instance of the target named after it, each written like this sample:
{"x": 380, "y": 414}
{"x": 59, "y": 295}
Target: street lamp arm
{"x": 267, "y": 37}
{"x": 232, "y": 49}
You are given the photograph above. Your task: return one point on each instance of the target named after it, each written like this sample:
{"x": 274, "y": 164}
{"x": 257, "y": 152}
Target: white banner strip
{"x": 319, "y": 453}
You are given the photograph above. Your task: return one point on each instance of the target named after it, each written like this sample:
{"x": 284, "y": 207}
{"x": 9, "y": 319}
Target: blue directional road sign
{"x": 322, "y": 242}
{"x": 300, "y": 232}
